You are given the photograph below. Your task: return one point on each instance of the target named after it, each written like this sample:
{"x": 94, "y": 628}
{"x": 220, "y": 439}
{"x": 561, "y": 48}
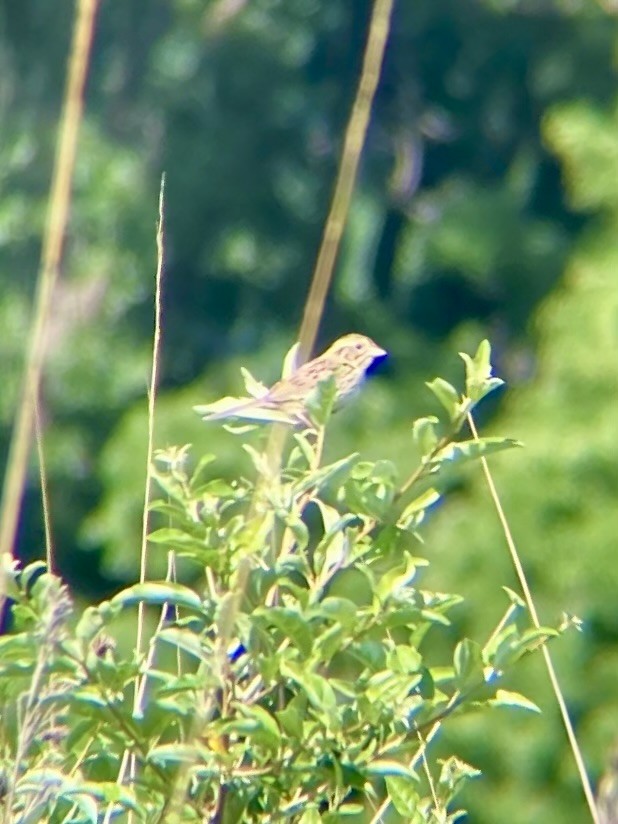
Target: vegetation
{"x": 304, "y": 685}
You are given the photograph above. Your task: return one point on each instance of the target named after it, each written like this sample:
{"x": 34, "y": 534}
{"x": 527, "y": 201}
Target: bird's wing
{"x": 300, "y": 384}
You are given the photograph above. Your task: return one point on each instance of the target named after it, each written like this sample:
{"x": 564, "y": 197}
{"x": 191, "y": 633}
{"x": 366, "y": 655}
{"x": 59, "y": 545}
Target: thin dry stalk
{"x": 354, "y": 142}
{"x": 57, "y": 217}
{"x": 525, "y": 588}
{"x": 128, "y": 761}
{"x": 152, "y": 395}
{"x": 40, "y": 447}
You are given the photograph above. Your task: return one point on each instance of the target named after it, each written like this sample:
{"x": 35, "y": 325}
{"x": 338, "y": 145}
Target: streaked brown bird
{"x": 347, "y": 360}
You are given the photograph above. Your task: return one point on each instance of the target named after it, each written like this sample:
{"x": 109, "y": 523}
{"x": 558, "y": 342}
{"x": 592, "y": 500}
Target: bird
{"x": 346, "y": 361}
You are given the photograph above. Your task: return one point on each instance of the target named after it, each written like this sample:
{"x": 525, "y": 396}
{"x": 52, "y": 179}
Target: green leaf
{"x": 383, "y": 767}
{"x": 435, "y": 616}
{"x": 235, "y": 809}
{"x": 205, "y": 460}
{"x": 47, "y": 784}
{"x": 334, "y": 474}
{"x": 398, "y": 577}
{"x": 472, "y": 450}
{"x": 447, "y": 395}
{"x": 321, "y": 401}
{"x": 354, "y": 582}
{"x": 330, "y": 516}
{"x": 232, "y": 408}
{"x": 90, "y": 696}
{"x": 455, "y": 773}
{"x": 17, "y": 647}
{"x": 111, "y": 791}
{"x": 329, "y": 642}
{"x": 29, "y": 572}
{"x": 158, "y": 594}
{"x": 479, "y": 381}
{"x": 305, "y": 448}
{"x": 297, "y": 527}
{"x": 373, "y": 500}
{"x": 412, "y": 515}
{"x": 533, "y": 639}
{"x": 504, "y": 698}
{"x": 259, "y": 459}
{"x": 310, "y": 816}
{"x": 371, "y": 654}
{"x": 290, "y": 361}
{"x": 90, "y": 623}
{"x": 215, "y": 488}
{"x": 503, "y": 647}
{"x": 242, "y": 428}
{"x": 291, "y": 624}
{"x": 176, "y": 753}
{"x": 262, "y": 727}
{"x": 185, "y": 640}
{"x": 254, "y": 387}
{"x": 175, "y": 538}
{"x": 87, "y": 806}
{"x": 402, "y": 791}
{"x": 337, "y": 609}
{"x": 331, "y": 550}
{"x": 384, "y": 472}
{"x": 371, "y": 489}
{"x": 515, "y": 599}
{"x": 292, "y": 717}
{"x": 405, "y": 660}
{"x": 348, "y": 809}
{"x": 468, "y": 665}
{"x": 509, "y": 645}
{"x": 425, "y": 435}
{"x": 390, "y": 688}
{"x": 317, "y": 689}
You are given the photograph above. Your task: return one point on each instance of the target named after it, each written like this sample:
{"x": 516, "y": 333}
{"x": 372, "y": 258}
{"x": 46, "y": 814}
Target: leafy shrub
{"x": 303, "y": 685}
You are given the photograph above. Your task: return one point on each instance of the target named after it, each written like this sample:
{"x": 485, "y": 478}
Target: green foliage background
{"x": 487, "y": 206}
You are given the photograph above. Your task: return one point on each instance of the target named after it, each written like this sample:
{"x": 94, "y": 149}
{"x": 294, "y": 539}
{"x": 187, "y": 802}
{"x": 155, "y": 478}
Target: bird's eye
{"x": 358, "y": 346}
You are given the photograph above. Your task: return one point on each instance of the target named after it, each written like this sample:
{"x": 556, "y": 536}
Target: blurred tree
{"x": 560, "y": 495}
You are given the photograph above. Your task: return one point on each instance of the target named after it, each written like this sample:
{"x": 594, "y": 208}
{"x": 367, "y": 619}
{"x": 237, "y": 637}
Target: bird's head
{"x": 357, "y": 349}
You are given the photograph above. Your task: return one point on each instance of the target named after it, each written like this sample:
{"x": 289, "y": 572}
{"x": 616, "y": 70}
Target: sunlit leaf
{"x": 462, "y": 451}
{"x": 504, "y": 698}
{"x": 447, "y": 395}
{"x": 425, "y": 435}
{"x": 385, "y": 767}
{"x": 164, "y": 592}
{"x": 185, "y": 640}
{"x": 403, "y": 792}
{"x": 468, "y": 664}
{"x": 254, "y": 387}
{"x": 291, "y": 624}
{"x": 321, "y": 401}
{"x": 263, "y": 727}
{"x": 479, "y": 381}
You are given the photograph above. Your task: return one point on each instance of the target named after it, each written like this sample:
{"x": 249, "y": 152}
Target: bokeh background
{"x": 486, "y": 206}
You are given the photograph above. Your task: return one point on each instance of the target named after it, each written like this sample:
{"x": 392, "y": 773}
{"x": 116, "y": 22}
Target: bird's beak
{"x": 378, "y": 353}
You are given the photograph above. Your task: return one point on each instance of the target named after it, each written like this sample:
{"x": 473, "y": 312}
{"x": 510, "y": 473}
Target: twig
{"x": 57, "y": 218}
{"x": 523, "y": 582}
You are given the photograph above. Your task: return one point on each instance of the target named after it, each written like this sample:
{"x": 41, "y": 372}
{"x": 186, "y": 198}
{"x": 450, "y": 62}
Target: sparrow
{"x": 346, "y": 361}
